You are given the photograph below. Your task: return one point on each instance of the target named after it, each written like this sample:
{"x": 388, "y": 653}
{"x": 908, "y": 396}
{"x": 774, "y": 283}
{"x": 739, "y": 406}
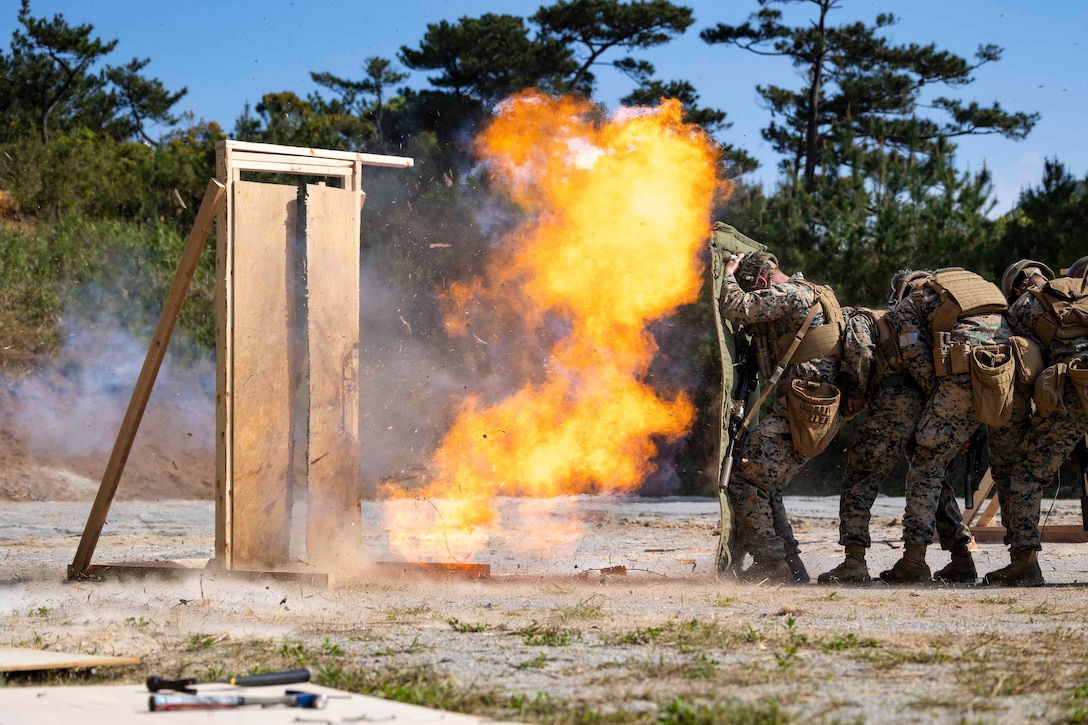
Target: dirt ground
{"x": 597, "y": 609}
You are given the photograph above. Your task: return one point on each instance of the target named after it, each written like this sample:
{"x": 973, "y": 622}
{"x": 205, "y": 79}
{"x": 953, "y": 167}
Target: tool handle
{"x": 271, "y": 678}
{"x": 193, "y": 702}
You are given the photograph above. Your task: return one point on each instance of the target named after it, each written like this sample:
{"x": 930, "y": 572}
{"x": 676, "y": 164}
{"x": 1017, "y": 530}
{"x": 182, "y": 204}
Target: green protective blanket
{"x": 725, "y": 240}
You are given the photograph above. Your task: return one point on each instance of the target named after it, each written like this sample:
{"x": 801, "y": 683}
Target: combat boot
{"x": 771, "y": 571}
{"x": 961, "y": 570}
{"x": 911, "y": 569}
{"x": 1024, "y": 571}
{"x": 797, "y": 567}
{"x": 851, "y": 571}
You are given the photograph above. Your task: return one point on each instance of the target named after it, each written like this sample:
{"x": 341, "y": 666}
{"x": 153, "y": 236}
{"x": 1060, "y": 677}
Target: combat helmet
{"x": 1078, "y": 268}
{"x": 751, "y": 267}
{"x": 903, "y": 282}
{"x": 1025, "y": 268}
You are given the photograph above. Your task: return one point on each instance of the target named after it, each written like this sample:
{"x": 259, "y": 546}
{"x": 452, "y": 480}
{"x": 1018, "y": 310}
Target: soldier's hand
{"x": 854, "y": 406}
{"x": 732, "y": 263}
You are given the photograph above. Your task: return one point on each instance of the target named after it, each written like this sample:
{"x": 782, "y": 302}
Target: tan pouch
{"x": 960, "y": 355}
{"x": 1029, "y": 358}
{"x": 993, "y": 381}
{"x": 1078, "y": 375}
{"x": 942, "y": 355}
{"x": 1048, "y": 390}
{"x": 813, "y": 415}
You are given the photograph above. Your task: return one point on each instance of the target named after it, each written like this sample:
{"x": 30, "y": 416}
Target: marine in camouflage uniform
{"x": 895, "y": 405}
{"x": 946, "y": 425}
{"x": 767, "y": 457}
{"x": 1047, "y": 443}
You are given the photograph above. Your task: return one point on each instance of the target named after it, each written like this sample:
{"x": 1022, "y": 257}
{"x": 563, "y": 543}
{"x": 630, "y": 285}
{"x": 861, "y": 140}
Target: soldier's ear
{"x": 763, "y": 281}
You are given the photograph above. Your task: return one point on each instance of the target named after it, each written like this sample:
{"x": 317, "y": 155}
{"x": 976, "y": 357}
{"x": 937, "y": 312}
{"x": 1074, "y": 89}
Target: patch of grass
{"x": 640, "y": 636}
{"x": 196, "y": 642}
{"x": 138, "y": 622}
{"x": 40, "y": 612}
{"x": 679, "y": 711}
{"x": 548, "y": 635}
{"x": 585, "y": 609}
{"x": 459, "y": 626}
{"x": 1078, "y": 708}
{"x": 535, "y": 663}
{"x": 400, "y": 614}
{"x": 718, "y": 600}
{"x": 838, "y": 643}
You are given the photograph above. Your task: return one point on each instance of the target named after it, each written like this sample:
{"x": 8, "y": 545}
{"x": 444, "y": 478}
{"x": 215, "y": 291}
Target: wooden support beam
{"x": 156, "y": 352}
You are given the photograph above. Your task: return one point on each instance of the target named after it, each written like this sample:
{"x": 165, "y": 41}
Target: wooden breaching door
{"x": 287, "y": 408}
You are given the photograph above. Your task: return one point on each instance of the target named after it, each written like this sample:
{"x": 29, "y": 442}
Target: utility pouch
{"x": 1029, "y": 358}
{"x": 942, "y": 354}
{"x": 993, "y": 374}
{"x": 1048, "y": 390}
{"x": 1078, "y": 375}
{"x": 813, "y": 415}
{"x": 960, "y": 355}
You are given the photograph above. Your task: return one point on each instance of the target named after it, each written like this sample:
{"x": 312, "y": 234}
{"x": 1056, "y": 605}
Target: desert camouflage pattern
{"x": 948, "y": 419}
{"x": 1047, "y": 442}
{"x": 768, "y": 460}
{"x": 894, "y": 407}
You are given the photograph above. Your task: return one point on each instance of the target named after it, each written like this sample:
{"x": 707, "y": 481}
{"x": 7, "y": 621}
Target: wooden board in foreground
{"x": 21, "y": 659}
{"x": 1057, "y": 534}
{"x": 128, "y": 705}
{"x": 189, "y": 567}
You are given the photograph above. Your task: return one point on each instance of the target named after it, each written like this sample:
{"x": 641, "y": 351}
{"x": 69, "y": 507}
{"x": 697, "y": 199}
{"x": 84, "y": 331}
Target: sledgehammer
{"x": 310, "y": 701}
{"x": 155, "y": 683}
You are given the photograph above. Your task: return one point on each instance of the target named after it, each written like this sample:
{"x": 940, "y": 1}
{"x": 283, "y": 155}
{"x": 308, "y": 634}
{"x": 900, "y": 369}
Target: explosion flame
{"x": 619, "y": 214}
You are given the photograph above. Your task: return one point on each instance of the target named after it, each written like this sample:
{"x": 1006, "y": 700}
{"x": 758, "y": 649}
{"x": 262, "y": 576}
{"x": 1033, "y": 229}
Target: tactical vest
{"x": 822, "y": 341}
{"x": 962, "y": 293}
{"x": 1066, "y": 303}
{"x": 886, "y": 357}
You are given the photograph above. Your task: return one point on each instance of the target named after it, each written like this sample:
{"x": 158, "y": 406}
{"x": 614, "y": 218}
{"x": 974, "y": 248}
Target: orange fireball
{"x": 619, "y": 213}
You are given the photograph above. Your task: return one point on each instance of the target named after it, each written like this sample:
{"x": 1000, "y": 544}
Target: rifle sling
{"x": 797, "y": 337}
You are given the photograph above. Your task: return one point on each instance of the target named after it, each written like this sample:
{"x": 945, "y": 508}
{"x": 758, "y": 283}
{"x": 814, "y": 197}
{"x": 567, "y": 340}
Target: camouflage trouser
{"x": 947, "y": 423}
{"x": 767, "y": 463}
{"x": 880, "y": 440}
{"x": 1047, "y": 443}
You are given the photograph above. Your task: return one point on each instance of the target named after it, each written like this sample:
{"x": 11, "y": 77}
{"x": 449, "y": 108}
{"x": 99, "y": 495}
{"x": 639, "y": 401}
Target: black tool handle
{"x": 156, "y": 683}
{"x": 271, "y": 678}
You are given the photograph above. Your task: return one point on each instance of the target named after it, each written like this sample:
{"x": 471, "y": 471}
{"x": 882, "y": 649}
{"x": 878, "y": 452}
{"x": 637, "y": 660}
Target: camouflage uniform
{"x": 895, "y": 405}
{"x": 949, "y": 417}
{"x": 767, "y": 459}
{"x": 1047, "y": 442}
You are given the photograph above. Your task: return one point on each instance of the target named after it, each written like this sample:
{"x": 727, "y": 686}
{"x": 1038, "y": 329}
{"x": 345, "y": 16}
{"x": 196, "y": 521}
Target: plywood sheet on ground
{"x": 125, "y": 704}
{"x": 22, "y": 659}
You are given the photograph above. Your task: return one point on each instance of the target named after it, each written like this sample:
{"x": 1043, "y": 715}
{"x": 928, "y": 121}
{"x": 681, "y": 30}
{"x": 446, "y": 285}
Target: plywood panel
{"x": 264, "y": 217}
{"x": 21, "y": 659}
{"x": 332, "y": 273}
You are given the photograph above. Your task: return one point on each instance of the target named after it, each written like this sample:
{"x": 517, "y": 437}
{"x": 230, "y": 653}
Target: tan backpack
{"x": 962, "y": 293}
{"x": 1066, "y": 303}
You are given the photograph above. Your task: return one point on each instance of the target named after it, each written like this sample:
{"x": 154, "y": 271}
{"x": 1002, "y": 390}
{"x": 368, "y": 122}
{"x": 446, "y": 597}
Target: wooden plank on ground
{"x": 128, "y": 705}
{"x": 334, "y": 477}
{"x": 264, "y": 217}
{"x": 1056, "y": 534}
{"x": 187, "y": 568}
{"x": 22, "y": 659}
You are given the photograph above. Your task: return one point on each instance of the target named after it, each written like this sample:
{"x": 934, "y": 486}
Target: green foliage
{"x": 81, "y": 270}
{"x": 1050, "y": 222}
{"x": 860, "y": 85}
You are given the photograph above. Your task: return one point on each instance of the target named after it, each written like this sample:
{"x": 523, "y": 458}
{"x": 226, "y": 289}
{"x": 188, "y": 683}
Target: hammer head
{"x": 156, "y": 683}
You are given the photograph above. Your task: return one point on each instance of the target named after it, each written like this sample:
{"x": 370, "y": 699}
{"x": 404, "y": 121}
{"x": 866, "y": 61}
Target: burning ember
{"x": 618, "y": 214}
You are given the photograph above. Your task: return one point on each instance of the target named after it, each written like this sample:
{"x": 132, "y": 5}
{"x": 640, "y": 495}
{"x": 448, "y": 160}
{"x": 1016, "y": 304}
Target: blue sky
{"x": 233, "y": 51}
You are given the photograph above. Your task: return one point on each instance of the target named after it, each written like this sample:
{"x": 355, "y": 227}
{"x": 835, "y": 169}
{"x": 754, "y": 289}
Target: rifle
{"x": 1081, "y": 451}
{"x": 972, "y": 471}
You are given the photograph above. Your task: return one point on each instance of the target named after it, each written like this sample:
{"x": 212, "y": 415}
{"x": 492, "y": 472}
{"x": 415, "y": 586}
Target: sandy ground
{"x": 550, "y": 619}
